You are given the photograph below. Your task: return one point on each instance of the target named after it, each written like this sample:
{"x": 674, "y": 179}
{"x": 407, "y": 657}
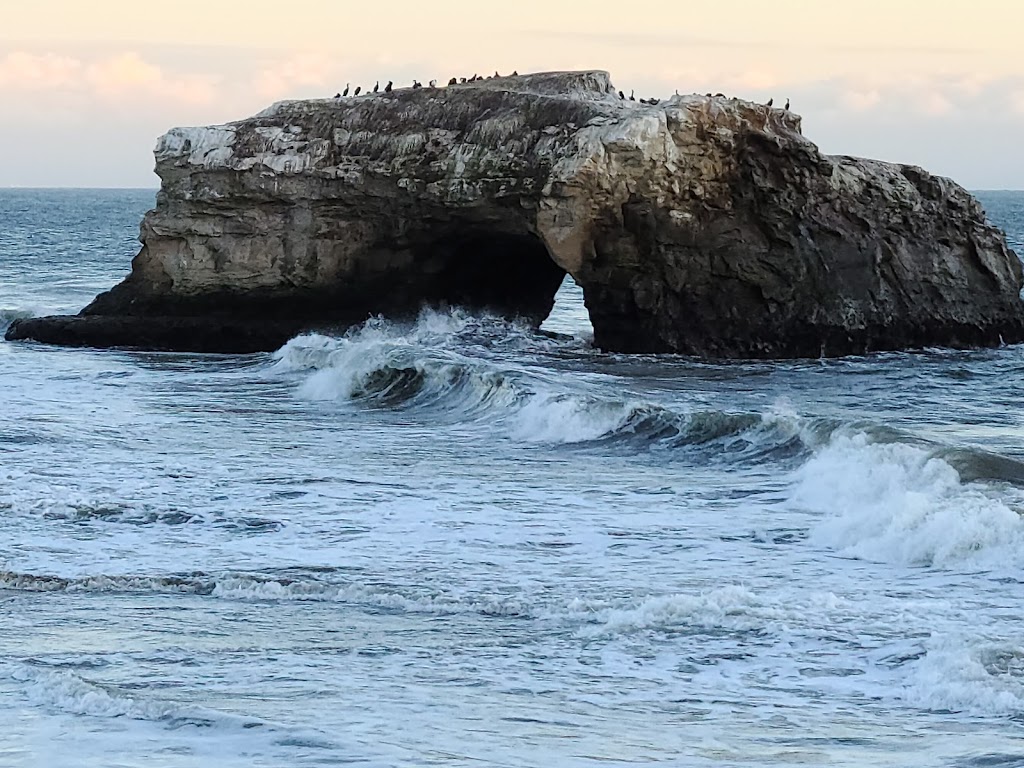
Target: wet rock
{"x": 702, "y": 225}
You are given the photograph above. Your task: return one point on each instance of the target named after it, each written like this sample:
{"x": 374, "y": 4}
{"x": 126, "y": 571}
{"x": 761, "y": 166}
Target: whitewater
{"x": 459, "y": 541}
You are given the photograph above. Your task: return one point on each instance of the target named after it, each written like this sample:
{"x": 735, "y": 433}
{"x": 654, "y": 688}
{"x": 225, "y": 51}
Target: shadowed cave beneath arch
{"x": 512, "y": 275}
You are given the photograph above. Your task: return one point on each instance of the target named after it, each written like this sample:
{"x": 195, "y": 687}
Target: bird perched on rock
{"x": 453, "y": 81}
{"x": 357, "y": 90}
{"x": 496, "y": 73}
{"x": 337, "y": 95}
{"x": 719, "y": 95}
{"x": 475, "y": 78}
{"x": 433, "y": 83}
{"x": 345, "y": 92}
{"x": 631, "y": 96}
{"x": 622, "y": 96}
{"x": 654, "y": 102}
{"x": 416, "y": 84}
{"x": 787, "y": 105}
{"x": 514, "y": 74}
{"x": 387, "y": 88}
{"x": 463, "y": 80}
{"x": 376, "y": 86}
{"x": 770, "y": 102}
{"x": 709, "y": 95}
{"x": 643, "y": 101}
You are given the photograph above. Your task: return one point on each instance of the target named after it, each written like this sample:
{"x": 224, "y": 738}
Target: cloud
{"x": 123, "y": 77}
{"x": 129, "y": 76}
{"x": 23, "y": 71}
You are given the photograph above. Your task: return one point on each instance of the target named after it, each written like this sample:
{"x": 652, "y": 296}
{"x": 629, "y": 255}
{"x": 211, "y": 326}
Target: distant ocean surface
{"x": 461, "y": 543}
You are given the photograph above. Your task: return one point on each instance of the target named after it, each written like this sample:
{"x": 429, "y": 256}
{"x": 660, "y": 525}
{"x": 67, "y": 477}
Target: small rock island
{"x": 700, "y": 225}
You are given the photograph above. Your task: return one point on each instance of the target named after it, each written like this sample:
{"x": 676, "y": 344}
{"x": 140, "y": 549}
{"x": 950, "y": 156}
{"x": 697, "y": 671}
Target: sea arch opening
{"x": 510, "y": 273}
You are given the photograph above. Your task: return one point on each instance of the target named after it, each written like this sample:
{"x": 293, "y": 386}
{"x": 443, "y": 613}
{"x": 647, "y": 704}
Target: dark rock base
{"x": 177, "y": 334}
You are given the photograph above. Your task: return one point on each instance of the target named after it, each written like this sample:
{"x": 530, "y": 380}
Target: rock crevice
{"x": 701, "y": 225}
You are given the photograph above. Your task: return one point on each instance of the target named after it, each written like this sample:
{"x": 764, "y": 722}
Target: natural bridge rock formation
{"x": 700, "y": 225}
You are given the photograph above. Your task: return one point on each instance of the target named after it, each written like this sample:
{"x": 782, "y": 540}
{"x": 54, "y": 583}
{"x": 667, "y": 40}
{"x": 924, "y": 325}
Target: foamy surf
{"x": 901, "y": 503}
{"x": 968, "y": 674}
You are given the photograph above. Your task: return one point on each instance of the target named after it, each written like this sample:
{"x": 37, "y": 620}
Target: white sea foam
{"x": 897, "y": 503}
{"x": 67, "y": 692}
{"x": 561, "y": 418}
{"x": 971, "y": 674}
{"x": 731, "y": 607}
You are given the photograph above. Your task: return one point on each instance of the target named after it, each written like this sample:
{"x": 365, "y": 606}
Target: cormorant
{"x": 475, "y": 78}
{"x": 433, "y": 83}
{"x": 496, "y": 73}
{"x": 643, "y": 101}
{"x": 463, "y": 80}
{"x": 337, "y": 95}
{"x": 709, "y": 95}
{"x": 770, "y": 102}
{"x": 787, "y": 105}
{"x": 514, "y": 73}
{"x": 376, "y": 86}
{"x": 632, "y": 97}
{"x": 453, "y": 81}
{"x": 416, "y": 84}
{"x": 719, "y": 95}
{"x": 345, "y": 92}
{"x": 622, "y": 96}
{"x": 358, "y": 89}
{"x": 387, "y": 88}
{"x": 654, "y": 102}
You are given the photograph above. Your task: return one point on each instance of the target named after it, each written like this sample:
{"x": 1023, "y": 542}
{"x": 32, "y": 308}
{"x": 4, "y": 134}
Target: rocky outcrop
{"x": 700, "y": 225}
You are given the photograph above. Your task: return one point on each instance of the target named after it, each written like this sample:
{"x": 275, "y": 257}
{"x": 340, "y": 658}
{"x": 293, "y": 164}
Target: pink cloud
{"x": 121, "y": 78}
{"x": 129, "y": 76}
{"x": 22, "y": 71}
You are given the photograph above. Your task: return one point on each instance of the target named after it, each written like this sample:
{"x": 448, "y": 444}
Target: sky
{"x": 86, "y": 88}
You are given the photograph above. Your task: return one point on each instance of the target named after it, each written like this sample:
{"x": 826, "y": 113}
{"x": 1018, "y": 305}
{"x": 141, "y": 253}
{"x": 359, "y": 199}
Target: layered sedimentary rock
{"x": 699, "y": 225}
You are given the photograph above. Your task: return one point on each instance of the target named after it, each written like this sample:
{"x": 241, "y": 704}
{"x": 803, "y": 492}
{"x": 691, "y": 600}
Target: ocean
{"x": 458, "y": 542}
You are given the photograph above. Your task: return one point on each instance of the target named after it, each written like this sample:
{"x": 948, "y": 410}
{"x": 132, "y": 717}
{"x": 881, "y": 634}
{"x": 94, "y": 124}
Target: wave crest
{"x": 442, "y": 366}
{"x": 904, "y": 503}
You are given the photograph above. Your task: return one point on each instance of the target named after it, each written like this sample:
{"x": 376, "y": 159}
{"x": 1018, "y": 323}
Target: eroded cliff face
{"x": 701, "y": 225}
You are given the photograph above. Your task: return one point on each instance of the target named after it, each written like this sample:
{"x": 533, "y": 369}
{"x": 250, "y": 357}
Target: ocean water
{"x": 457, "y": 542}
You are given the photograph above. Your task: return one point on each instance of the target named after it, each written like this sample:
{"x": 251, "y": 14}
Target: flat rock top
{"x": 552, "y": 114}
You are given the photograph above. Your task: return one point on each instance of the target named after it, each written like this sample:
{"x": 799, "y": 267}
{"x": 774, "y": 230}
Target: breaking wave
{"x": 440, "y": 366}
{"x": 908, "y": 504}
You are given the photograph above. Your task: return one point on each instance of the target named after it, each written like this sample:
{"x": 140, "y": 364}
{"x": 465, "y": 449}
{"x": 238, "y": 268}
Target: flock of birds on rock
{"x": 416, "y": 84}
{"x": 768, "y": 104}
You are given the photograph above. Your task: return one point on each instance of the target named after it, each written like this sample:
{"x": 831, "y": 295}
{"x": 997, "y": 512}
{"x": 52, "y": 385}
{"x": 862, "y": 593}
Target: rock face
{"x": 701, "y": 225}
